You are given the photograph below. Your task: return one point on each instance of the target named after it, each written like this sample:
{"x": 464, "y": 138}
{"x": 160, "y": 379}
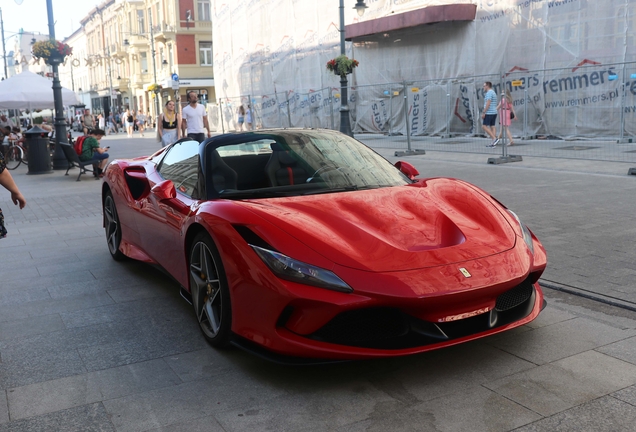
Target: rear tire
{"x": 210, "y": 292}
{"x": 112, "y": 228}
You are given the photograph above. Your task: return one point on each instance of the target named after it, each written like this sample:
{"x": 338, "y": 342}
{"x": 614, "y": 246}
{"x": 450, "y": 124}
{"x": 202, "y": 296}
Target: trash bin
{"x": 37, "y": 142}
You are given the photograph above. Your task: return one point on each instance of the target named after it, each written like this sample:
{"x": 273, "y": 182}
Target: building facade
{"x": 22, "y": 58}
{"x": 129, "y": 45}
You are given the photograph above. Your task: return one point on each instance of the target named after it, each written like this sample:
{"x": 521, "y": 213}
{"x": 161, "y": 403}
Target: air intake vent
{"x": 514, "y": 297}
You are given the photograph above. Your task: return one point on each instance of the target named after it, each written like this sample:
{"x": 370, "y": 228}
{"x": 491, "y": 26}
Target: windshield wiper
{"x": 342, "y": 189}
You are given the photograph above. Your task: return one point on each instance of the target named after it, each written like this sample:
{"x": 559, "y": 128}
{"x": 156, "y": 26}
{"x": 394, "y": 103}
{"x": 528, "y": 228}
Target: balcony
{"x": 196, "y": 25}
{"x": 137, "y": 40}
{"x": 164, "y": 32}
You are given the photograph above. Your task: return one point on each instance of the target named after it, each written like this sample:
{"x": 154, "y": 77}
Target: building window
{"x": 144, "y": 62}
{"x": 141, "y": 21}
{"x": 203, "y": 7}
{"x": 205, "y": 53}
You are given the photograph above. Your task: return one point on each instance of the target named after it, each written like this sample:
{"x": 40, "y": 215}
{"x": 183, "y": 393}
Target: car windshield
{"x": 297, "y": 162}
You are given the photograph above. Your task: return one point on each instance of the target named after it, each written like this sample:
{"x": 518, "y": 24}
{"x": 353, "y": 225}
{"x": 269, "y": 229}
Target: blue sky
{"x": 31, "y": 15}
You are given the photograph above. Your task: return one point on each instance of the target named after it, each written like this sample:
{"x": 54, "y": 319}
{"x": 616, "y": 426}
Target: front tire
{"x": 210, "y": 293}
{"x": 112, "y": 228}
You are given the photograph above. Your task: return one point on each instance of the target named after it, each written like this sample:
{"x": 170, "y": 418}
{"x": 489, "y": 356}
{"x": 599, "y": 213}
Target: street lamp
{"x": 59, "y": 160}
{"x": 345, "y": 123}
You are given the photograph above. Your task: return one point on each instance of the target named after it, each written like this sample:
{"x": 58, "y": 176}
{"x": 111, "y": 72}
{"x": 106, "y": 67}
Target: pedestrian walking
{"x": 489, "y": 115}
{"x": 195, "y": 119}
{"x": 141, "y": 122}
{"x": 241, "y": 117}
{"x": 506, "y": 111}
{"x": 169, "y": 125}
{"x": 129, "y": 120}
{"x": 248, "y": 117}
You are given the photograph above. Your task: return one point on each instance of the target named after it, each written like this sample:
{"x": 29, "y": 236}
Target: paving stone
{"x": 550, "y": 315}
{"x": 561, "y": 385}
{"x": 475, "y": 409}
{"x": 336, "y": 406}
{"x": 87, "y": 418}
{"x": 197, "y": 399}
{"x": 30, "y": 326}
{"x": 4, "y": 408}
{"x": 145, "y": 341}
{"x": 201, "y": 424}
{"x": 78, "y": 390}
{"x": 206, "y": 363}
{"x": 604, "y": 414}
{"x": 624, "y": 350}
{"x": 44, "y": 305}
{"x": 627, "y": 394}
{"x": 556, "y": 341}
{"x": 10, "y": 296}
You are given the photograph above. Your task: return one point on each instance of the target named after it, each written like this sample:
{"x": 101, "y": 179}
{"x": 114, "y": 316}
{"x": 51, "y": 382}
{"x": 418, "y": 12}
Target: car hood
{"x": 430, "y": 223}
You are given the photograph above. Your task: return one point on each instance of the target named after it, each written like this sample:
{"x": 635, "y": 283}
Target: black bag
{"x": 512, "y": 115}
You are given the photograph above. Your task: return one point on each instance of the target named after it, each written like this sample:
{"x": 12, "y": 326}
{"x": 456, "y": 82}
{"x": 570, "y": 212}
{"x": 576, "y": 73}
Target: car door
{"x": 168, "y": 205}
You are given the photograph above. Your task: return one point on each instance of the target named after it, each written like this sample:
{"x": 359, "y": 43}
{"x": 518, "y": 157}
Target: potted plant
{"x": 51, "y": 51}
{"x": 155, "y": 88}
{"x": 342, "y": 65}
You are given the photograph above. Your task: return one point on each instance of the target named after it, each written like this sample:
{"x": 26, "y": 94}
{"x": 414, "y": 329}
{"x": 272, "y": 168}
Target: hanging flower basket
{"x": 342, "y": 65}
{"x": 155, "y": 88}
{"x": 52, "y": 52}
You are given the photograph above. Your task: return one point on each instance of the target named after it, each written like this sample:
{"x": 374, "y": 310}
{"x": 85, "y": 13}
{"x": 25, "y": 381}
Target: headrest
{"x": 276, "y": 147}
{"x": 286, "y": 159}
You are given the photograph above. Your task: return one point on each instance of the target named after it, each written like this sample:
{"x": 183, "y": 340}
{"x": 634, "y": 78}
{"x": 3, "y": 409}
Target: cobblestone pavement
{"x": 88, "y": 344}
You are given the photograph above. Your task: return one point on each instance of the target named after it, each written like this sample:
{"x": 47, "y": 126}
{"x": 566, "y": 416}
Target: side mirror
{"x": 407, "y": 169}
{"x": 164, "y": 190}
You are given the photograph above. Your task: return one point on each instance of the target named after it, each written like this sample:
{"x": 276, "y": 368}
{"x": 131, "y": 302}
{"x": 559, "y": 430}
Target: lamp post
{"x": 345, "y": 122}
{"x": 59, "y": 160}
{"x": 110, "y": 81}
{"x": 154, "y": 64}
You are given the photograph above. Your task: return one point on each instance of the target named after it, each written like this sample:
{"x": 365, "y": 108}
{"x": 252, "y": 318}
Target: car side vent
{"x": 252, "y": 238}
{"x": 137, "y": 183}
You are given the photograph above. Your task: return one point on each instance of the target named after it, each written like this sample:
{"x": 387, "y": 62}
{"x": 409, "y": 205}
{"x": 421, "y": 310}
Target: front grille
{"x": 388, "y": 328}
{"x": 360, "y": 327}
{"x": 514, "y": 297}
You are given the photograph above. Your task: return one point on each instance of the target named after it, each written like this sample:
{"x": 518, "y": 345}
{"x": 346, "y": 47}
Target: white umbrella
{"x": 28, "y": 90}
{"x": 44, "y": 113}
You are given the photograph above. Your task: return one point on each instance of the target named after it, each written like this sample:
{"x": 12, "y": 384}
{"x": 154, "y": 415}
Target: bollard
{"x": 37, "y": 141}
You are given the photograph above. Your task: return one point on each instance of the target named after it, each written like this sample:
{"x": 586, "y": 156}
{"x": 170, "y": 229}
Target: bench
{"x": 74, "y": 161}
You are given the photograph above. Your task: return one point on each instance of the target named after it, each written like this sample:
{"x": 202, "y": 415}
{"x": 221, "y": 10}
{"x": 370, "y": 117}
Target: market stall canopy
{"x": 28, "y": 91}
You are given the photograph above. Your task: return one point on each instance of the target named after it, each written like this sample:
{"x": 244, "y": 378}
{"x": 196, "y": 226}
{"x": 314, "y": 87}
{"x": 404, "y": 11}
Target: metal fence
{"x": 581, "y": 112}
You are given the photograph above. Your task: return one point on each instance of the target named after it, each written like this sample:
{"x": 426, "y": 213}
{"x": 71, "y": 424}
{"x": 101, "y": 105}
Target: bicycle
{"x": 13, "y": 155}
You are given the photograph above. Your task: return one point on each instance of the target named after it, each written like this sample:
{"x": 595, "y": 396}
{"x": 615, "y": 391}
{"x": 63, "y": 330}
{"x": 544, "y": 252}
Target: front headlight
{"x": 297, "y": 271}
{"x": 527, "y": 237}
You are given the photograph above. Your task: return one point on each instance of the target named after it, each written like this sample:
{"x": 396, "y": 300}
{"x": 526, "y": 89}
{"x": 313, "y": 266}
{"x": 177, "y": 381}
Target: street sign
{"x": 517, "y": 83}
{"x": 175, "y": 84}
{"x": 175, "y": 77}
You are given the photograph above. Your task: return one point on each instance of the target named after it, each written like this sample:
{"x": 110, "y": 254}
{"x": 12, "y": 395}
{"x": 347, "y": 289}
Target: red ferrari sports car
{"x": 306, "y": 244}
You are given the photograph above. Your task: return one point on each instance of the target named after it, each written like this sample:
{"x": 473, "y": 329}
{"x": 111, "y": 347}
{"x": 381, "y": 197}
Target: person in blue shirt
{"x": 489, "y": 114}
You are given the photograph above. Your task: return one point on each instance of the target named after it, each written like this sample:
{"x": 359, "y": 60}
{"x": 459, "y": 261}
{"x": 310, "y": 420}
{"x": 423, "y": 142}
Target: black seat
{"x": 282, "y": 169}
{"x": 223, "y": 177}
{"x": 74, "y": 161}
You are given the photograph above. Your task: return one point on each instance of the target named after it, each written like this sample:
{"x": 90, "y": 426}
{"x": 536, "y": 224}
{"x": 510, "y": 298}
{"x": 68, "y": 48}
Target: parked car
{"x": 305, "y": 244}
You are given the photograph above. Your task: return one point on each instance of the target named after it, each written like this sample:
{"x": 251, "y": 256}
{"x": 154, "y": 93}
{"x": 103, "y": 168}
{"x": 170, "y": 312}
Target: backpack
{"x": 79, "y": 143}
